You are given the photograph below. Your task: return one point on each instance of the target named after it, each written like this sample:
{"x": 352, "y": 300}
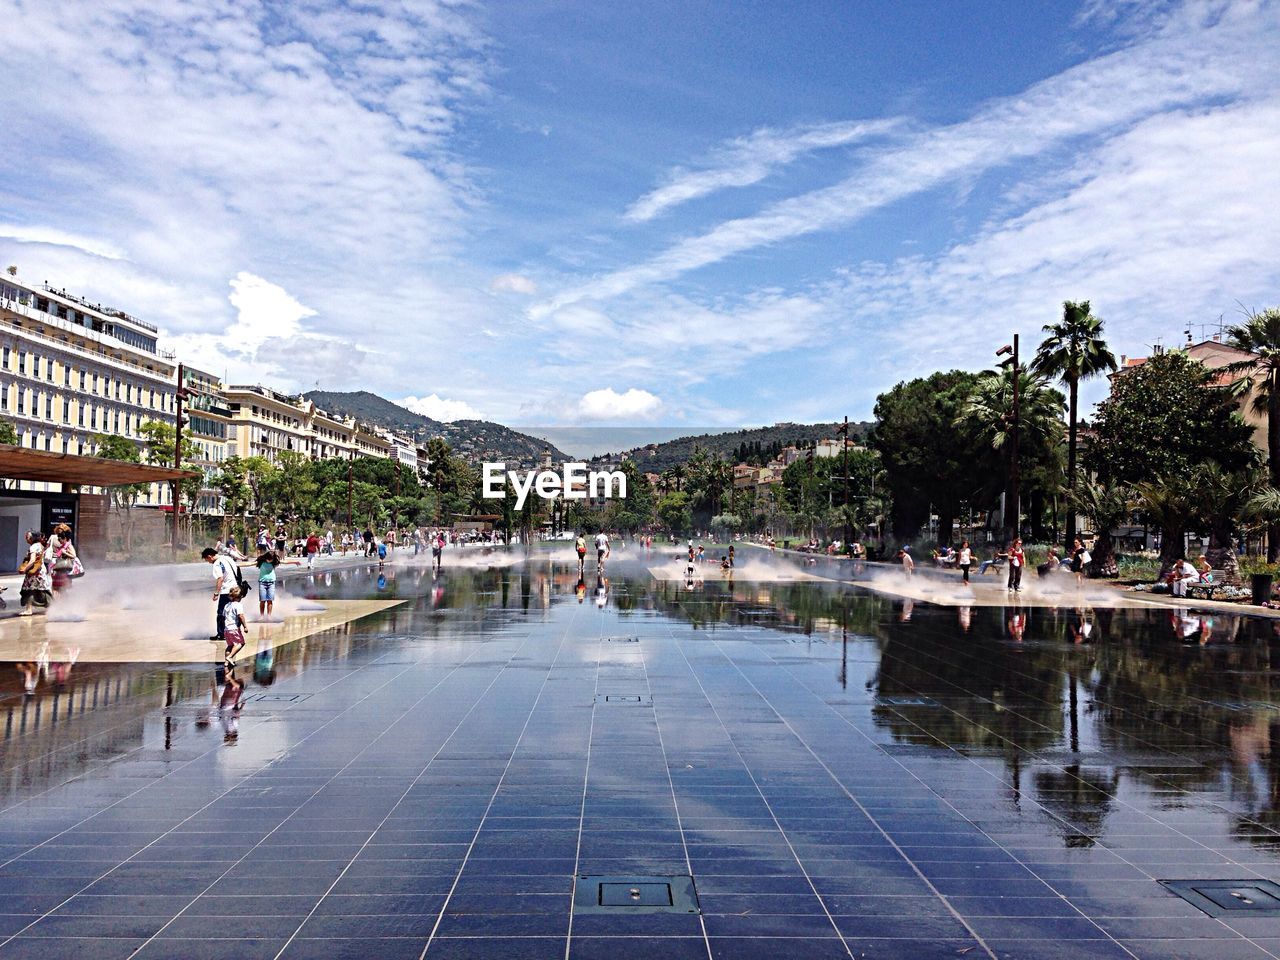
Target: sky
{"x": 656, "y": 215}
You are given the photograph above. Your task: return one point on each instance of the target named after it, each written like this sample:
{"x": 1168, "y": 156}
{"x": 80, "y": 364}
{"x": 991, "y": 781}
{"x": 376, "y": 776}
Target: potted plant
{"x": 1262, "y": 576}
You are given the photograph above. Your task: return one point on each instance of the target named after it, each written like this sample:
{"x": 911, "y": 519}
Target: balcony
{"x": 101, "y": 355}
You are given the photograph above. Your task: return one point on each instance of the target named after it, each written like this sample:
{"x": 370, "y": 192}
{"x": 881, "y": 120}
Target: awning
{"x": 20, "y": 463}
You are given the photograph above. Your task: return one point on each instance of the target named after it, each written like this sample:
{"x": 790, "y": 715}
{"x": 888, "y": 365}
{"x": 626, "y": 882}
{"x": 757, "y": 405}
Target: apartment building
{"x": 266, "y": 423}
{"x": 72, "y": 370}
{"x": 207, "y": 426}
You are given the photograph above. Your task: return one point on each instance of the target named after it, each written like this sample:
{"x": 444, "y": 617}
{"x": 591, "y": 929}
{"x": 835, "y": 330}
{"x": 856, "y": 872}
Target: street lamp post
{"x": 1013, "y": 505}
{"x": 180, "y": 395}
{"x": 843, "y": 431}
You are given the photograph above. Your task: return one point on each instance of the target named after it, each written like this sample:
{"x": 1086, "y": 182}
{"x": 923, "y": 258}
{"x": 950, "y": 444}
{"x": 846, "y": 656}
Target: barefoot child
{"x": 235, "y": 627}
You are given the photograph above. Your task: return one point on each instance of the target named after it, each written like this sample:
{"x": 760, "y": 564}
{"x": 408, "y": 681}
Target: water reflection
{"x": 1069, "y": 707}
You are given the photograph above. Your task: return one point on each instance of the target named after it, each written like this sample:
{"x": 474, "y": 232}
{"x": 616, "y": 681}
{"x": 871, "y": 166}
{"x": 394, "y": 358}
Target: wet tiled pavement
{"x": 841, "y": 774}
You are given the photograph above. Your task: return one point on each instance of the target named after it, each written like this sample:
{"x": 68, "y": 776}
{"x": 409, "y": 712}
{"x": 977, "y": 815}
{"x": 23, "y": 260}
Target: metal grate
{"x": 1221, "y": 898}
{"x": 280, "y": 698}
{"x": 634, "y": 895}
{"x": 632, "y": 698}
{"x": 620, "y": 639}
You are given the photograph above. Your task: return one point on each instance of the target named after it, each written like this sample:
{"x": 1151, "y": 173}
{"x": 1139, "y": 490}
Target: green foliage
{"x": 675, "y": 513}
{"x": 636, "y": 511}
{"x": 8, "y": 434}
{"x": 1164, "y": 417}
{"x": 926, "y": 456}
{"x": 755, "y": 445}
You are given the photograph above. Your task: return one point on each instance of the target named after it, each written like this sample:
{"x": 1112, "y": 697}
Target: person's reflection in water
{"x": 602, "y": 590}
{"x": 229, "y": 707}
{"x": 59, "y": 673}
{"x": 966, "y": 618}
{"x": 908, "y": 608}
{"x": 1185, "y": 626}
{"x": 30, "y": 677}
{"x": 264, "y": 661}
{"x": 1017, "y": 624}
{"x": 382, "y": 581}
{"x": 580, "y": 588}
{"x": 1080, "y": 626}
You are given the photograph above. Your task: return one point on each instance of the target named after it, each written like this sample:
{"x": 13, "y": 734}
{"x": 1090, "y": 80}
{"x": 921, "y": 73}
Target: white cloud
{"x": 1200, "y": 57}
{"x": 608, "y": 404}
{"x": 61, "y": 238}
{"x": 513, "y": 283}
{"x": 748, "y": 160}
{"x": 438, "y": 408}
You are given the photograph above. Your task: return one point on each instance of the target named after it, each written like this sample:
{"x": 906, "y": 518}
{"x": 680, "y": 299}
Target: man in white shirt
{"x": 602, "y": 548}
{"x": 224, "y": 578}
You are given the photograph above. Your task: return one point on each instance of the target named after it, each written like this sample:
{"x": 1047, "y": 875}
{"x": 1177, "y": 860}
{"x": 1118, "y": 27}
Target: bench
{"x": 1206, "y": 591}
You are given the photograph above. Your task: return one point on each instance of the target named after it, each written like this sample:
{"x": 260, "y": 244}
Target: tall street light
{"x": 1013, "y": 505}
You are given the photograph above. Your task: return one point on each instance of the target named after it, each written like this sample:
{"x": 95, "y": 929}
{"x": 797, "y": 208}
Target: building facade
{"x": 72, "y": 371}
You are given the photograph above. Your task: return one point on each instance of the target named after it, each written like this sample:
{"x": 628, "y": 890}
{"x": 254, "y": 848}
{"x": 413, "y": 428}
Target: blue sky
{"x": 676, "y": 214}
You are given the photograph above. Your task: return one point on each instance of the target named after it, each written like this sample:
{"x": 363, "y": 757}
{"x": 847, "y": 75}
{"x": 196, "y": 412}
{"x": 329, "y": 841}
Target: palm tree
{"x": 1106, "y": 508}
{"x": 1073, "y": 351}
{"x": 989, "y": 412}
{"x": 1260, "y": 335}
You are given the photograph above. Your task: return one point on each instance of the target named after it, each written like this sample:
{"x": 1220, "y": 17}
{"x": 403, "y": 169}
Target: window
{"x": 80, "y": 447}
{"x": 117, "y": 388}
{"x": 35, "y": 403}
{"x": 116, "y": 420}
{"x": 7, "y": 351}
{"x": 48, "y": 369}
{"x": 128, "y": 393}
{"x": 66, "y": 374}
{"x": 66, "y": 410}
{"x": 80, "y": 407}
{"x": 153, "y": 400}
{"x": 95, "y": 383}
{"x": 20, "y": 436}
{"x": 21, "y": 408}
{"x": 93, "y": 418}
{"x": 4, "y": 396}
{"x": 81, "y": 379}
{"x": 35, "y": 365}
{"x": 22, "y": 362}
{"x": 48, "y": 441}
{"x": 48, "y": 406}
{"x": 66, "y": 445}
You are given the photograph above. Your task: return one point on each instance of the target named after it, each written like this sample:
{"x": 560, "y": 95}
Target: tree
{"x": 160, "y": 438}
{"x": 989, "y": 415}
{"x": 1260, "y": 335}
{"x": 1162, "y": 419}
{"x": 8, "y": 434}
{"x": 1106, "y": 508}
{"x": 122, "y": 497}
{"x": 674, "y": 512}
{"x": 1074, "y": 350}
{"x": 927, "y": 458}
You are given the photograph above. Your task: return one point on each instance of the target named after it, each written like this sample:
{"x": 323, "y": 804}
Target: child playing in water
{"x": 235, "y": 628}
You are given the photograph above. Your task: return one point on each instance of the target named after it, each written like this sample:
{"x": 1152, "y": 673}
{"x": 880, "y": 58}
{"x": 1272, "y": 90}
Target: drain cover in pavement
{"x": 624, "y": 698}
{"x": 634, "y": 895}
{"x": 621, "y": 639}
{"x": 1220, "y": 898}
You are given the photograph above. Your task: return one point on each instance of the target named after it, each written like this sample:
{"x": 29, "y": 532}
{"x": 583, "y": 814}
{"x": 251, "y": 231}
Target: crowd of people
{"x": 49, "y": 567}
{"x": 1012, "y": 557}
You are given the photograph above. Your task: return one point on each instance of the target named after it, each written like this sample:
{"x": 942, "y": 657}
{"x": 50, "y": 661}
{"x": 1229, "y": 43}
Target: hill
{"x": 733, "y": 445}
{"x": 474, "y": 439}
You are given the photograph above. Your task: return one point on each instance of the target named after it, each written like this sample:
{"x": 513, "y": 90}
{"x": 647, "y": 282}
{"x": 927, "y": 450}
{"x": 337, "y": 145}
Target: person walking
{"x": 313, "y": 550}
{"x": 1080, "y": 559}
{"x": 66, "y": 564}
{"x": 580, "y": 545}
{"x": 966, "y": 559}
{"x": 37, "y": 581}
{"x": 1017, "y": 560}
{"x": 235, "y": 628}
{"x": 904, "y": 558}
{"x": 602, "y": 548}
{"x": 224, "y": 579}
